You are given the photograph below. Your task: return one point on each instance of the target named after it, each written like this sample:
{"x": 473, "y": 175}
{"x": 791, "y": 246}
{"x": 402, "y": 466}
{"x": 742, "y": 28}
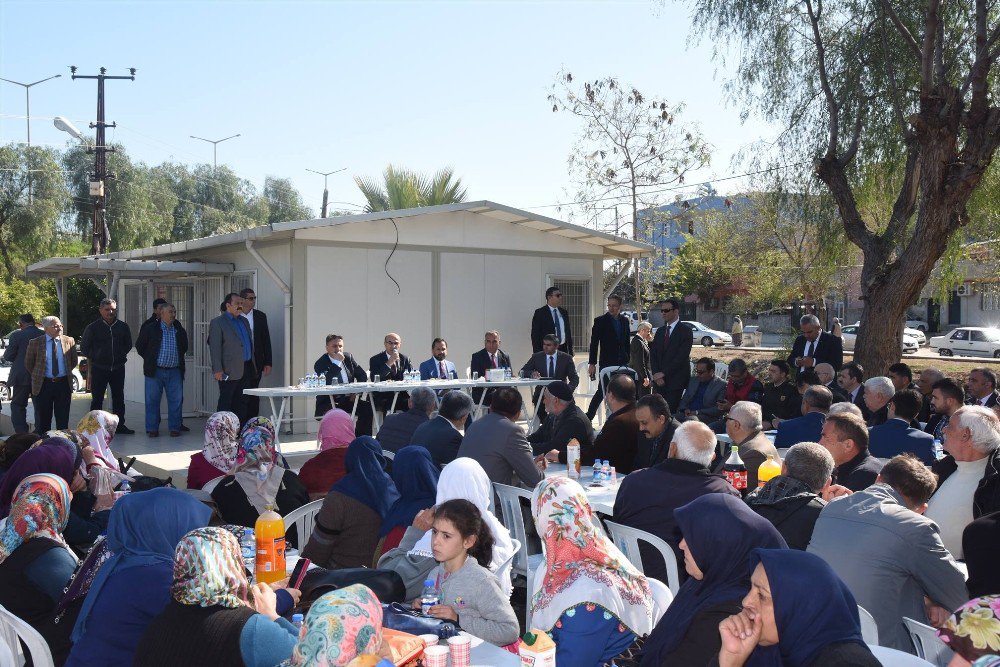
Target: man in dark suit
{"x": 19, "y": 380}
{"x": 491, "y": 356}
{"x": 442, "y": 436}
{"x": 828, "y": 377}
{"x": 610, "y": 336}
{"x": 814, "y": 346}
{"x": 618, "y": 441}
{"x": 703, "y": 395}
{"x": 565, "y": 422}
{"x": 981, "y": 387}
{"x": 50, "y": 359}
{"x": 390, "y": 365}
{"x": 260, "y": 336}
{"x": 896, "y": 436}
{"x": 656, "y": 429}
{"x": 551, "y": 319}
{"x": 851, "y": 380}
{"x": 670, "y": 355}
{"x": 231, "y": 351}
{"x": 925, "y": 383}
{"x": 397, "y": 429}
{"x": 879, "y": 391}
{"x": 816, "y": 403}
{"x": 339, "y": 367}
{"x": 550, "y": 363}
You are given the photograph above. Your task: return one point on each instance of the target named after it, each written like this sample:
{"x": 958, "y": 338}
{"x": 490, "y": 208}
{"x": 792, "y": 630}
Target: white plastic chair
{"x": 890, "y": 657}
{"x": 926, "y": 641}
{"x": 13, "y": 629}
{"x": 389, "y": 455}
{"x": 304, "y": 520}
{"x": 722, "y": 370}
{"x": 505, "y": 567}
{"x": 523, "y": 563}
{"x": 584, "y": 390}
{"x": 869, "y": 629}
{"x": 662, "y": 597}
{"x": 627, "y": 541}
{"x": 604, "y": 378}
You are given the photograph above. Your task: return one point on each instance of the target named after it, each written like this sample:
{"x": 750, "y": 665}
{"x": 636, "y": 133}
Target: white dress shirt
{"x": 343, "y": 371}
{"x": 556, "y": 315}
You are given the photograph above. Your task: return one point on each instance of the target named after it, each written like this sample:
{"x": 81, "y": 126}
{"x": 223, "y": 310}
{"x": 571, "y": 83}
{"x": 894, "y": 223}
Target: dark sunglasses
{"x": 667, "y": 310}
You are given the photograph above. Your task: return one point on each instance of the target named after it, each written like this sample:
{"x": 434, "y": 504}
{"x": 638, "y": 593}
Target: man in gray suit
{"x": 550, "y": 363}
{"x": 20, "y": 379}
{"x": 232, "y": 355}
{"x": 703, "y": 394}
{"x": 498, "y": 444}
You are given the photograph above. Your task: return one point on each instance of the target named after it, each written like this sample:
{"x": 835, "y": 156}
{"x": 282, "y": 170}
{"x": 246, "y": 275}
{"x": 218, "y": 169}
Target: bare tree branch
{"x": 904, "y": 32}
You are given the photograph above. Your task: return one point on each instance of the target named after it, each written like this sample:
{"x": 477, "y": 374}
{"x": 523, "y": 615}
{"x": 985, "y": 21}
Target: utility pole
{"x": 100, "y": 236}
{"x": 215, "y": 148}
{"x": 326, "y": 193}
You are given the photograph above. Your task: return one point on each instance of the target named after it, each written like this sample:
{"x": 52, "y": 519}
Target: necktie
{"x": 55, "y": 359}
{"x": 442, "y": 373}
{"x": 493, "y": 358}
{"x": 809, "y": 348}
{"x": 552, "y": 367}
{"x": 555, "y": 318}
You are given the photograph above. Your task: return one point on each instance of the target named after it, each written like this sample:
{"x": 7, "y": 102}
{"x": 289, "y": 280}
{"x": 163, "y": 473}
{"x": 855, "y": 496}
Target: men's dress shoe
{"x": 184, "y": 428}
{"x": 153, "y": 434}
{"x": 123, "y": 430}
{"x": 175, "y": 434}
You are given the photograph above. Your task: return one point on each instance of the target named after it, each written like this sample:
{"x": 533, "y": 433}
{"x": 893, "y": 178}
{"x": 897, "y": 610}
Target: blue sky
{"x": 324, "y": 85}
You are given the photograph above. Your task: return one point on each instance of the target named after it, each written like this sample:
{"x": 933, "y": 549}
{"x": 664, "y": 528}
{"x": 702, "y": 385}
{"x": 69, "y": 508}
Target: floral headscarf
{"x": 581, "y": 564}
{"x": 336, "y": 430}
{"x": 340, "y": 626}
{"x": 97, "y": 428}
{"x": 208, "y": 570}
{"x": 255, "y": 470}
{"x": 973, "y": 631}
{"x": 222, "y": 443}
{"x": 259, "y": 422}
{"x": 40, "y": 509}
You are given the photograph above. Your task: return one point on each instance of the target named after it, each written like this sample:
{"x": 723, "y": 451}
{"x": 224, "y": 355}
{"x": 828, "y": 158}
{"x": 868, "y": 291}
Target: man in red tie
{"x": 438, "y": 365}
{"x": 491, "y": 356}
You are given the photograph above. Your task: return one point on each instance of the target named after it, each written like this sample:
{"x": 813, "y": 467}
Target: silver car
{"x": 849, "y": 334}
{"x": 707, "y": 337}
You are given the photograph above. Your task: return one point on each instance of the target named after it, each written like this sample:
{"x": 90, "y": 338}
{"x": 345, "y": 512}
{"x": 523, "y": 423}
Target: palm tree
{"x": 402, "y": 188}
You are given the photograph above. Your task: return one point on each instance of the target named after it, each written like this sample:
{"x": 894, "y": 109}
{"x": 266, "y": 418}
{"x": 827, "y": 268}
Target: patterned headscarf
{"x": 208, "y": 570}
{"x": 340, "y": 626}
{"x": 336, "y": 430}
{"x": 57, "y": 456}
{"x": 973, "y": 631}
{"x": 259, "y": 422}
{"x": 40, "y": 509}
{"x": 97, "y": 428}
{"x": 255, "y": 470}
{"x": 581, "y": 564}
{"x": 222, "y": 444}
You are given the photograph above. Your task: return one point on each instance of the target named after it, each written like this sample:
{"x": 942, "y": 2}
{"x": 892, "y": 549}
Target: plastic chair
{"x": 722, "y": 370}
{"x": 926, "y": 641}
{"x": 890, "y": 657}
{"x": 869, "y": 629}
{"x": 583, "y": 389}
{"x": 304, "y": 519}
{"x": 389, "y": 455}
{"x": 505, "y": 567}
{"x": 510, "y": 510}
{"x": 13, "y": 631}
{"x": 627, "y": 541}
{"x": 605, "y": 378}
{"x": 662, "y": 597}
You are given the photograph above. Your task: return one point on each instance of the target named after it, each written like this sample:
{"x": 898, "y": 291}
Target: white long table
{"x": 279, "y": 396}
{"x": 602, "y": 498}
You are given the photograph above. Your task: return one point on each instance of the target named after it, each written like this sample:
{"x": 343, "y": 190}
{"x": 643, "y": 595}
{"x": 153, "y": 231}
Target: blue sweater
{"x": 589, "y": 638}
{"x": 264, "y": 643}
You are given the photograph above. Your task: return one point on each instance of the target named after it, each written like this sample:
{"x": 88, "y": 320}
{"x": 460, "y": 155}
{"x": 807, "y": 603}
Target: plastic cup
{"x": 376, "y": 379}
{"x": 475, "y": 375}
{"x": 461, "y": 650}
{"x": 429, "y": 640}
{"x": 436, "y": 656}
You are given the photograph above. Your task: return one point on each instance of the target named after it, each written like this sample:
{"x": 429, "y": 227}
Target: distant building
{"x": 668, "y": 224}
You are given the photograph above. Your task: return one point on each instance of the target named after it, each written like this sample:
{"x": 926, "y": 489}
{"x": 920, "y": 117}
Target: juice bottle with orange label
{"x": 270, "y": 532}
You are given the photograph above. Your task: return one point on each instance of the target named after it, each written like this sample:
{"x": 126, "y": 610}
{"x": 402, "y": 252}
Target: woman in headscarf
{"x": 981, "y": 547}
{"x": 719, "y": 532}
{"x": 218, "y": 457}
{"x": 587, "y": 595}
{"x": 35, "y": 563}
{"x": 215, "y": 617}
{"x": 348, "y": 524}
{"x": 95, "y": 431}
{"x": 340, "y": 626}
{"x": 798, "y": 613}
{"x": 416, "y": 479}
{"x": 973, "y": 632}
{"x": 336, "y": 432}
{"x": 143, "y": 533}
{"x": 413, "y": 559}
{"x": 13, "y": 447}
{"x": 258, "y": 483}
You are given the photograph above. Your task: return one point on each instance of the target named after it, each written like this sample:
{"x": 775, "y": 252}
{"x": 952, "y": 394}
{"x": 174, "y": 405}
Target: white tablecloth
{"x": 602, "y": 498}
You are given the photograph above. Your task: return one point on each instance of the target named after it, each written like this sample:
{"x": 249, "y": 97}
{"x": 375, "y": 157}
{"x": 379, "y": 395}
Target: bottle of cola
{"x": 736, "y": 471}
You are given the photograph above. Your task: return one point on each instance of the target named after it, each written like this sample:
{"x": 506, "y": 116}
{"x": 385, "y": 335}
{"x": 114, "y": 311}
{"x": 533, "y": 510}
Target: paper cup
{"x": 436, "y": 656}
{"x": 429, "y": 640}
{"x": 461, "y": 650}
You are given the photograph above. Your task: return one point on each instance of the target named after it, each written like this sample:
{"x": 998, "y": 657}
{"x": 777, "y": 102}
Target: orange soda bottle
{"x": 270, "y": 533}
{"x": 768, "y": 470}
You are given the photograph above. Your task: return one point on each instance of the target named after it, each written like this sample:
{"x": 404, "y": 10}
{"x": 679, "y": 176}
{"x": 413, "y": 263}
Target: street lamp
{"x": 326, "y": 193}
{"x": 62, "y": 124}
{"x": 27, "y": 99}
{"x": 215, "y": 147}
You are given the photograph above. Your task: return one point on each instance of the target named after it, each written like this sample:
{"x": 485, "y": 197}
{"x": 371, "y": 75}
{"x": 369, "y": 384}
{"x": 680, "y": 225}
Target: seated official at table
{"x": 397, "y": 428}
{"x": 438, "y": 366}
{"x": 442, "y": 436}
{"x": 565, "y": 422}
{"x": 550, "y": 363}
{"x": 390, "y": 365}
{"x": 490, "y": 357}
{"x": 339, "y": 367}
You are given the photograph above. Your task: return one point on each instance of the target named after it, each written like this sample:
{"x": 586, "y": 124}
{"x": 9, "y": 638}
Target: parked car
{"x": 919, "y": 325}
{"x": 77, "y": 383}
{"x": 908, "y": 331}
{"x": 633, "y": 319}
{"x": 708, "y": 337}
{"x": 849, "y": 333}
{"x": 969, "y": 342}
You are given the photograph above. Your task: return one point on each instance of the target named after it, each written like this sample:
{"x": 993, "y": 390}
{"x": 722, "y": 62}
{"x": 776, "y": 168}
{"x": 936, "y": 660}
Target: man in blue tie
{"x": 551, "y": 319}
{"x": 51, "y": 359}
{"x": 232, "y": 355}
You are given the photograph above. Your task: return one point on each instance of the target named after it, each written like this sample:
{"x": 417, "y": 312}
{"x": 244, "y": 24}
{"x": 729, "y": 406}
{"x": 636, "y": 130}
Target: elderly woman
{"x": 218, "y": 457}
{"x": 215, "y": 617}
{"x": 340, "y": 626}
{"x": 336, "y": 432}
{"x": 35, "y": 563}
{"x": 595, "y": 609}
{"x": 639, "y": 357}
{"x": 719, "y": 532}
{"x": 798, "y": 613}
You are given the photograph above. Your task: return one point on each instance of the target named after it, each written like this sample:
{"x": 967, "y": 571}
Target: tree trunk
{"x": 8, "y": 265}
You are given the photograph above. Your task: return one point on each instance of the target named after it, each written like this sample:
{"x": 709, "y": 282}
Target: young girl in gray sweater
{"x": 469, "y": 593}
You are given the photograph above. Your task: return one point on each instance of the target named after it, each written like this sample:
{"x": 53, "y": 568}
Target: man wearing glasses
{"x": 551, "y": 319}
{"x": 670, "y": 355}
{"x": 260, "y": 336}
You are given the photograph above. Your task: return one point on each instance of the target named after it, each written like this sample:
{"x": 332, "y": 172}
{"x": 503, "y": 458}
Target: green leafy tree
{"x": 403, "y": 188}
{"x": 28, "y": 222}
{"x": 18, "y": 297}
{"x": 283, "y": 201}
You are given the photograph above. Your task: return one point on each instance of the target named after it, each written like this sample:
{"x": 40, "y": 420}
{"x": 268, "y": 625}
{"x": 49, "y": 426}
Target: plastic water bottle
{"x": 598, "y": 477}
{"x": 606, "y": 471}
{"x": 938, "y": 448}
{"x": 125, "y": 487}
{"x": 248, "y": 547}
{"x": 507, "y": 373}
{"x": 297, "y": 620}
{"x": 429, "y": 597}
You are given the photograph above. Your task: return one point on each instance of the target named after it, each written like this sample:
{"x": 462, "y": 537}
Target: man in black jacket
{"x": 162, "y": 344}
{"x": 106, "y": 343}
{"x": 260, "y": 337}
{"x": 565, "y": 422}
{"x": 656, "y": 429}
{"x": 442, "y": 436}
{"x": 610, "y": 334}
{"x": 670, "y": 355}
{"x": 491, "y": 356}
{"x": 398, "y": 428}
{"x": 815, "y": 346}
{"x": 390, "y": 365}
{"x": 551, "y": 319}
{"x": 19, "y": 379}
{"x": 339, "y": 367}
{"x": 550, "y": 363}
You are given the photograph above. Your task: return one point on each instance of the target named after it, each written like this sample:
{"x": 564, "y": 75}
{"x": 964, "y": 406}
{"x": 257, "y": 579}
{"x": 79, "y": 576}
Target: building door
{"x": 207, "y": 297}
{"x": 954, "y": 309}
{"x": 576, "y": 301}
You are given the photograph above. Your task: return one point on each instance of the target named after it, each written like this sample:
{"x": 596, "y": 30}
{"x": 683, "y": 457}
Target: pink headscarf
{"x": 336, "y": 431}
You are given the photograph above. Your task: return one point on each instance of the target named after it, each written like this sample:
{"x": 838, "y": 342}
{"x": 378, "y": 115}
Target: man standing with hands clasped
{"x": 611, "y": 335}
{"x": 106, "y": 343}
{"x": 260, "y": 342}
{"x": 551, "y": 319}
{"x": 670, "y": 355}
{"x": 232, "y": 356}
{"x": 815, "y": 346}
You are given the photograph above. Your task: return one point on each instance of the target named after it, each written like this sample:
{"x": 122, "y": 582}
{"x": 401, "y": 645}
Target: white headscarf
{"x": 465, "y": 478}
{"x": 98, "y": 428}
